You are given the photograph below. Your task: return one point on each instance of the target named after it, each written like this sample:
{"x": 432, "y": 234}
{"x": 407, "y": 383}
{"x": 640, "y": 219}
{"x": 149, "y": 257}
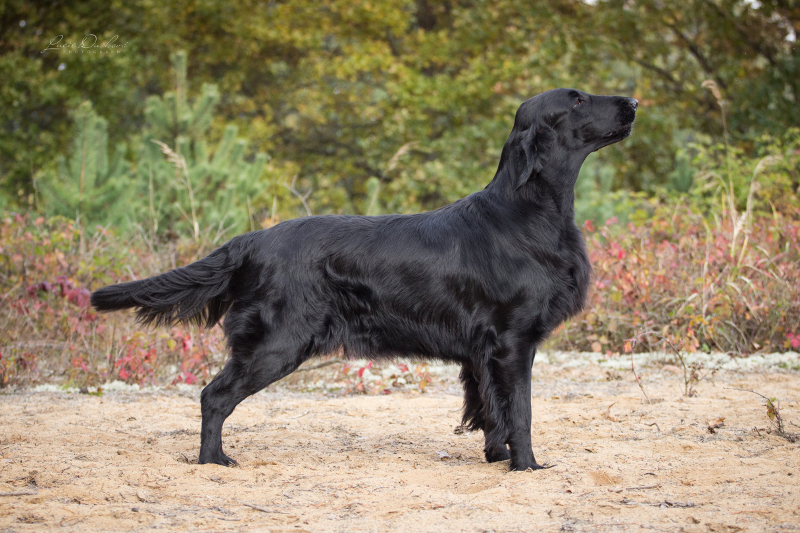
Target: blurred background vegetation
{"x": 138, "y": 135}
{"x": 330, "y": 91}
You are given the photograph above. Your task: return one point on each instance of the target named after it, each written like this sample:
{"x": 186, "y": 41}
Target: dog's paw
{"x": 229, "y": 461}
{"x": 498, "y": 454}
{"x": 528, "y": 465}
{"x": 218, "y": 459}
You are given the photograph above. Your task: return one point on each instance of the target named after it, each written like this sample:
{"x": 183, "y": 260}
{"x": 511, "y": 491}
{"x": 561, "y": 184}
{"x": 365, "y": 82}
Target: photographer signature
{"x": 88, "y": 42}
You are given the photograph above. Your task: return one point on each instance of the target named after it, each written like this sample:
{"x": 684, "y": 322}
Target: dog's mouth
{"x": 620, "y": 132}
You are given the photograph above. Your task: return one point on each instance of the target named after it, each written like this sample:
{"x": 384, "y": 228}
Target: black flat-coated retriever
{"x": 480, "y": 282}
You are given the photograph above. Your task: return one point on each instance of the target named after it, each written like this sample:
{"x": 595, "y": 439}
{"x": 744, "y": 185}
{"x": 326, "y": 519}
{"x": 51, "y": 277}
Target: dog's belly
{"x": 401, "y": 329}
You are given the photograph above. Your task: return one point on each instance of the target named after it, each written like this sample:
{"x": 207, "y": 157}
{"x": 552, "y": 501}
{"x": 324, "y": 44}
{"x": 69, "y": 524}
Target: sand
{"x": 323, "y": 461}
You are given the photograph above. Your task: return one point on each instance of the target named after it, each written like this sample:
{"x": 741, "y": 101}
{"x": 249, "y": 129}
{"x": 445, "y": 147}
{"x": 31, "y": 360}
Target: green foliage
{"x": 711, "y": 266}
{"x": 596, "y": 199}
{"x": 87, "y": 185}
{"x": 172, "y": 116}
{"x": 186, "y": 187}
{"x": 732, "y": 179}
{"x": 680, "y": 180}
{"x": 179, "y": 184}
{"x": 333, "y": 89}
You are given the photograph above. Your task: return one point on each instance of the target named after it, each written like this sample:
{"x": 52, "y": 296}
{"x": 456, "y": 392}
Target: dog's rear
{"x": 200, "y": 292}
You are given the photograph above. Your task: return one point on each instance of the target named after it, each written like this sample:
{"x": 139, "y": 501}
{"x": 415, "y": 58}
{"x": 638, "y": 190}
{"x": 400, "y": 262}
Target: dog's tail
{"x": 199, "y": 292}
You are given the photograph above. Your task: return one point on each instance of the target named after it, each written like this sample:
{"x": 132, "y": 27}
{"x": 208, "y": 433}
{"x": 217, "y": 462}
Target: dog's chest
{"x": 559, "y": 278}
{"x": 575, "y": 271}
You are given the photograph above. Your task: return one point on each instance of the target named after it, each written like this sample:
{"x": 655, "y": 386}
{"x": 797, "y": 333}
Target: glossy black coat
{"x": 480, "y": 282}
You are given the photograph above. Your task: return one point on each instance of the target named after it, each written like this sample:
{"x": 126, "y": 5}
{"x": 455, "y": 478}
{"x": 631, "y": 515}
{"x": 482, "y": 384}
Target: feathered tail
{"x": 199, "y": 292}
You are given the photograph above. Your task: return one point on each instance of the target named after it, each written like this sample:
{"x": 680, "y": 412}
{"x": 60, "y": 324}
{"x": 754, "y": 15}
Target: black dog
{"x": 480, "y": 282}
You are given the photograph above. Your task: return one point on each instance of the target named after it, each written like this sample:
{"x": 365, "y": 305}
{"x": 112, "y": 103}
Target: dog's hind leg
{"x": 474, "y": 414}
{"x": 243, "y": 375}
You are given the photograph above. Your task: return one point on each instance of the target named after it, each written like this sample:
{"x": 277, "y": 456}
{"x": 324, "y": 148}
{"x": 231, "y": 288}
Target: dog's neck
{"x": 552, "y": 189}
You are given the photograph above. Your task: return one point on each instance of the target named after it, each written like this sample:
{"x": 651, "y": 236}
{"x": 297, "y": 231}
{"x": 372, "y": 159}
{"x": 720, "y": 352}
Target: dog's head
{"x": 557, "y": 129}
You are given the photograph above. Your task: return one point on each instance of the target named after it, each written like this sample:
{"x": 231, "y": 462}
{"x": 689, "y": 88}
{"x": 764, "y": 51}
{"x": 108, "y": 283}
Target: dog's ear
{"x": 534, "y": 144}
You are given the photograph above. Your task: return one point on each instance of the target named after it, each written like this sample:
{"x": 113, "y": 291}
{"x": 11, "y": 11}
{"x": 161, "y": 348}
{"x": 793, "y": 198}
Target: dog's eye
{"x": 578, "y": 102}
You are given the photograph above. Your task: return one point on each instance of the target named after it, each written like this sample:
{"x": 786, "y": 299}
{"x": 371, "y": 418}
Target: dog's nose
{"x": 634, "y": 103}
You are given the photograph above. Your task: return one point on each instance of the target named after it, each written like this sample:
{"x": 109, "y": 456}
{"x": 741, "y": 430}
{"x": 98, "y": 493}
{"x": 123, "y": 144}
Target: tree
{"x": 185, "y": 186}
{"x": 87, "y": 186}
{"x": 332, "y": 89}
{"x": 747, "y": 48}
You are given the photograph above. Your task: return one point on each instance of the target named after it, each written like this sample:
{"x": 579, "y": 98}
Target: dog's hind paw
{"x": 498, "y": 454}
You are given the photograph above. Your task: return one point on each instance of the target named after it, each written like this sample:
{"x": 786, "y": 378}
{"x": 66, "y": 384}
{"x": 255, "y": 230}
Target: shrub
{"x": 49, "y": 331}
{"x": 693, "y": 282}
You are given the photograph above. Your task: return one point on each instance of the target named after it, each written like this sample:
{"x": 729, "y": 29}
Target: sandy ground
{"x": 124, "y": 461}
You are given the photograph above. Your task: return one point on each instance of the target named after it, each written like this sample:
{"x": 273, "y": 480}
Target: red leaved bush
{"x": 48, "y": 330}
{"x": 729, "y": 284}
{"x": 701, "y": 285}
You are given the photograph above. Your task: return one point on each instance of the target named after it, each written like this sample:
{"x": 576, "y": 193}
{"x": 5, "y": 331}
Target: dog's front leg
{"x": 515, "y": 371}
